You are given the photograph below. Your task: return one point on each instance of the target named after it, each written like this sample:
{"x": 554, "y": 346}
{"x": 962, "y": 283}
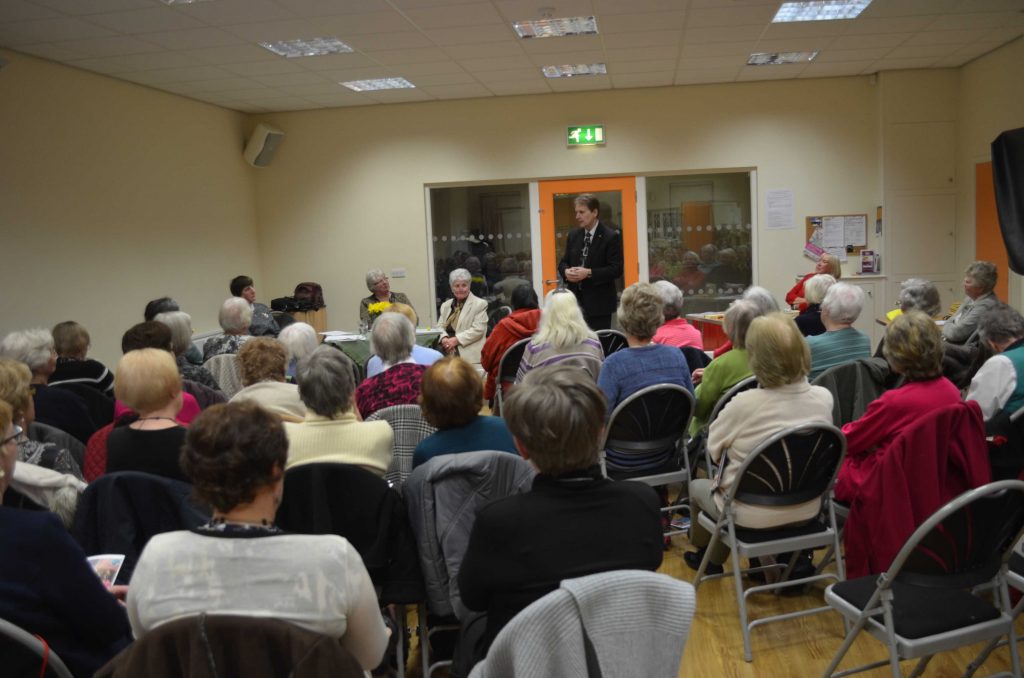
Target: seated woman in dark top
{"x": 809, "y": 320}
{"x": 147, "y": 381}
{"x": 46, "y": 585}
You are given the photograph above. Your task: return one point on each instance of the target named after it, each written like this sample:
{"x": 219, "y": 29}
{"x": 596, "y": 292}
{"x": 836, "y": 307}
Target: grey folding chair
{"x": 927, "y": 601}
{"x": 737, "y": 388}
{"x": 507, "y": 368}
{"x": 410, "y": 428}
{"x": 612, "y": 341}
{"x": 793, "y": 466}
{"x": 33, "y": 645}
{"x": 645, "y": 440}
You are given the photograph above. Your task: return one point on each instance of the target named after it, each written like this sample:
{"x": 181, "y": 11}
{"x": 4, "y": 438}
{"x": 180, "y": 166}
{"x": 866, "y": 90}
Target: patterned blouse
{"x": 223, "y": 344}
{"x": 196, "y": 373}
{"x": 48, "y": 455}
{"x": 397, "y": 385}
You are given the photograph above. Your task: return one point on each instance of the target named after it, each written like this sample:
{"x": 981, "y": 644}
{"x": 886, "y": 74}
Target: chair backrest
{"x": 695, "y": 358}
{"x": 793, "y": 466}
{"x": 99, "y": 404}
{"x": 351, "y": 502}
{"x": 510, "y": 359}
{"x": 216, "y": 646}
{"x": 35, "y": 651}
{"x": 225, "y": 370}
{"x": 119, "y": 512}
{"x": 1005, "y": 436}
{"x": 410, "y": 428}
{"x": 585, "y": 618}
{"x": 612, "y": 341}
{"x": 645, "y": 429}
{"x": 854, "y": 385}
{"x": 739, "y": 387}
{"x": 965, "y": 542}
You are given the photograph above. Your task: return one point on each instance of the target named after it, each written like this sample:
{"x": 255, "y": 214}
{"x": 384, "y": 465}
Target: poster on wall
{"x": 838, "y": 234}
{"x": 780, "y": 208}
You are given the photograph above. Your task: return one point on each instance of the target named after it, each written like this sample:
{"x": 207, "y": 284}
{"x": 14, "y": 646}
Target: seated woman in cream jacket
{"x": 464, "y": 320}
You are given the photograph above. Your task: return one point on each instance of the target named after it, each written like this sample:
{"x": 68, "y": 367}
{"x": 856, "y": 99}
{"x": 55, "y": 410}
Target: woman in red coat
{"x": 522, "y": 323}
{"x": 827, "y": 263}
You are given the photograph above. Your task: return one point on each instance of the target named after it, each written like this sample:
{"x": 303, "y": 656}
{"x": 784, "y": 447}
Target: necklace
{"x": 142, "y": 419}
{"x": 222, "y": 524}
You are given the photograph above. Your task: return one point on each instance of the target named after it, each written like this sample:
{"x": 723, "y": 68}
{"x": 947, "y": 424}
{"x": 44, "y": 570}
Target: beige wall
{"x": 991, "y": 101}
{"x": 112, "y": 194}
{"x": 346, "y": 189}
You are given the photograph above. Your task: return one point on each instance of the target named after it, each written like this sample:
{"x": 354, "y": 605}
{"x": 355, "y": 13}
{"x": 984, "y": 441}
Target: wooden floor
{"x": 795, "y": 648}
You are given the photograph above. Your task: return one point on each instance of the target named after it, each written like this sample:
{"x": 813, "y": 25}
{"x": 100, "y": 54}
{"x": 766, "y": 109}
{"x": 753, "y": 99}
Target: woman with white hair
{"x": 675, "y": 331}
{"x": 180, "y": 324}
{"x": 235, "y": 316}
{"x": 979, "y": 280}
{"x": 563, "y": 336}
{"x": 840, "y": 343}
{"x": 380, "y": 292}
{"x": 300, "y": 339}
{"x": 809, "y": 321}
{"x": 54, "y": 406}
{"x": 999, "y": 384}
{"x": 464, "y": 320}
{"x": 392, "y": 340}
{"x": 764, "y": 302}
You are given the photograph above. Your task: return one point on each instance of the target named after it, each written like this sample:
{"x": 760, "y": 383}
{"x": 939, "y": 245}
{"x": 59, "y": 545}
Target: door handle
{"x": 551, "y": 282}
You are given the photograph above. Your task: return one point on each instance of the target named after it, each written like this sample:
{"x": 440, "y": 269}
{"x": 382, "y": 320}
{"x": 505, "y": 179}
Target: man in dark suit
{"x": 591, "y": 263}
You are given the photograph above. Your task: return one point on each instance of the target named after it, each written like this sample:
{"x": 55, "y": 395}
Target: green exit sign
{"x": 586, "y": 135}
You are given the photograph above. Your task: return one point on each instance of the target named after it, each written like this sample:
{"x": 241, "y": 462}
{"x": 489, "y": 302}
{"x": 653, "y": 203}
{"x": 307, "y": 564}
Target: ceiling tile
{"x": 271, "y": 31}
{"x": 305, "y": 78}
{"x": 515, "y": 74}
{"x": 437, "y": 68}
{"x": 586, "y": 82}
{"x": 694, "y": 36}
{"x": 398, "y": 96}
{"x": 280, "y": 103}
{"x": 645, "y": 39}
{"x": 341, "y": 99}
{"x": 409, "y": 56}
{"x": 362, "y": 24}
{"x": 952, "y": 61}
{"x": 336, "y": 62}
{"x": 195, "y": 38}
{"x": 705, "y": 75}
{"x": 576, "y": 43}
{"x": 915, "y": 51}
{"x": 840, "y": 55}
{"x": 314, "y": 8}
{"x": 952, "y": 22}
{"x": 907, "y": 8}
{"x": 731, "y": 16}
{"x": 185, "y": 74}
{"x": 654, "y": 66}
{"x": 517, "y": 87}
{"x": 780, "y": 72}
{"x": 869, "y": 41}
{"x": 497, "y": 49}
{"x": 316, "y": 89}
{"x": 976, "y": 49}
{"x": 632, "y": 23}
{"x": 988, "y": 6}
{"x": 52, "y": 50}
{"x": 907, "y": 24}
{"x": 137, "y": 62}
{"x": 416, "y": 4}
{"x": 803, "y": 30}
{"x": 79, "y": 7}
{"x": 794, "y": 44}
{"x": 50, "y": 30}
{"x": 602, "y": 7}
{"x": 903, "y": 64}
{"x": 817, "y": 69}
{"x": 379, "y": 41}
{"x": 19, "y": 10}
{"x": 696, "y": 63}
{"x": 225, "y": 12}
{"x": 151, "y": 20}
{"x": 115, "y": 46}
{"x": 642, "y": 53}
{"x": 947, "y": 37}
{"x": 719, "y": 48}
{"x": 660, "y": 79}
{"x": 235, "y": 54}
{"x": 479, "y": 14}
{"x": 472, "y": 35}
{"x": 253, "y": 68}
{"x": 367, "y": 73}
{"x": 463, "y": 91}
{"x": 437, "y": 79}
{"x": 496, "y": 63}
{"x": 225, "y": 85}
{"x": 525, "y": 10}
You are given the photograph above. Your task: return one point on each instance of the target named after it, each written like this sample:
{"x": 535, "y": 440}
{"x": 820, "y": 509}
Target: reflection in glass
{"x": 699, "y": 236}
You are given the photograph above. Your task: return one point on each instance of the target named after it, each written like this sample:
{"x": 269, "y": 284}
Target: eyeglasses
{"x": 12, "y": 438}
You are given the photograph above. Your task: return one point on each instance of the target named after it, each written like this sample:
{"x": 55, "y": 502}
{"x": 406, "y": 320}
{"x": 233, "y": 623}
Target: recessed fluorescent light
{"x": 820, "y": 10}
{"x": 307, "y": 48}
{"x": 572, "y": 70}
{"x": 776, "y": 58}
{"x": 556, "y": 28}
{"x": 378, "y": 84}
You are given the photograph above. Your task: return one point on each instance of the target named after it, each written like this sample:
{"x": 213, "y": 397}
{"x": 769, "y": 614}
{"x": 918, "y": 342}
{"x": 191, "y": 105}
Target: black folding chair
{"x": 926, "y": 601}
{"x": 645, "y": 440}
{"x": 702, "y": 439}
{"x": 794, "y": 466}
{"x": 695, "y": 358}
{"x": 33, "y": 651}
{"x": 612, "y": 341}
{"x": 507, "y": 368}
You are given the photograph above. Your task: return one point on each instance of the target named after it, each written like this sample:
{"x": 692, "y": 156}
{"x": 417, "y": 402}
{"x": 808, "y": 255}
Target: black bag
{"x": 284, "y": 304}
{"x": 309, "y": 295}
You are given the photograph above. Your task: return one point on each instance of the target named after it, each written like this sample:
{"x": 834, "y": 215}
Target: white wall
{"x": 112, "y": 194}
{"x": 345, "y": 192}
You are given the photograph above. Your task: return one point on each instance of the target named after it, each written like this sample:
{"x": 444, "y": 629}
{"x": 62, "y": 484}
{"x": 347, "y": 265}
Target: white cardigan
{"x": 471, "y": 327}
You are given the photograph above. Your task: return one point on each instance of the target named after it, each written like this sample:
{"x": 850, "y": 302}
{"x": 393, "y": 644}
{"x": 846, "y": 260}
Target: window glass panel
{"x": 699, "y": 236}
{"x": 486, "y": 230}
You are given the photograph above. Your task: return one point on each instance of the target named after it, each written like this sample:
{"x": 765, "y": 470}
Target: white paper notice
{"x": 856, "y": 231}
{"x": 780, "y": 208}
{"x": 833, "y": 232}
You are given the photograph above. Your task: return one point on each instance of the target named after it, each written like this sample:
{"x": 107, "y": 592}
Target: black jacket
{"x": 596, "y": 294}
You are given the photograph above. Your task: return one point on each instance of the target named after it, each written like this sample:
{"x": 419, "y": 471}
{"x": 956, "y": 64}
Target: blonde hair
{"x": 913, "y": 346}
{"x": 640, "y": 310}
{"x": 70, "y": 338}
{"x": 15, "y": 378}
{"x": 561, "y": 321}
{"x": 406, "y": 310}
{"x": 777, "y": 352}
{"x": 835, "y": 267}
{"x": 147, "y": 379}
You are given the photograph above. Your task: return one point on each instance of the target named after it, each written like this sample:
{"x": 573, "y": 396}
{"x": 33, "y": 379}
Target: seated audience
{"x": 53, "y": 406}
{"x": 463, "y": 319}
{"x": 380, "y": 293}
{"x": 827, "y": 263}
{"x": 780, "y": 360}
{"x": 421, "y": 355}
{"x": 71, "y": 341}
{"x": 332, "y": 430}
{"x": 167, "y": 305}
{"x": 999, "y": 386}
{"x": 840, "y": 343}
{"x": 240, "y": 563}
{"x": 510, "y": 280}
{"x": 675, "y": 331}
{"x": 392, "y": 338}
{"x": 690, "y": 278}
{"x": 915, "y": 294}
{"x": 643, "y": 363}
{"x": 979, "y": 280}
{"x": 728, "y": 369}
{"x": 180, "y": 324}
{"x": 708, "y": 258}
{"x": 262, "y": 362}
{"x": 235, "y": 316}
{"x": 809, "y": 321}
{"x": 262, "y": 323}
{"x": 763, "y": 300}
{"x": 300, "y": 339}
{"x": 727, "y": 275}
{"x": 16, "y": 392}
{"x": 451, "y": 395}
{"x": 153, "y": 334}
{"x": 573, "y": 521}
{"x": 147, "y": 381}
{"x": 520, "y": 324}
{"x": 562, "y": 336}
{"x": 46, "y": 585}
{"x": 913, "y": 348}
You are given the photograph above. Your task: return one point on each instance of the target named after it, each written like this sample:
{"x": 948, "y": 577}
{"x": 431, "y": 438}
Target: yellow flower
{"x": 378, "y": 308}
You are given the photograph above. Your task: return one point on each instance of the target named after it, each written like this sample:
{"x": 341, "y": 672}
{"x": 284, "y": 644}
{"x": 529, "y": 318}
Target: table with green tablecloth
{"x": 357, "y": 347}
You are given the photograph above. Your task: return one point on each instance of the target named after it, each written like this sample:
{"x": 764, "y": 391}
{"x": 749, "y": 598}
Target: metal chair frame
{"x": 611, "y": 341}
{"x": 37, "y": 647}
{"x": 512, "y": 354}
{"x": 725, "y": 529}
{"x": 924, "y": 648}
